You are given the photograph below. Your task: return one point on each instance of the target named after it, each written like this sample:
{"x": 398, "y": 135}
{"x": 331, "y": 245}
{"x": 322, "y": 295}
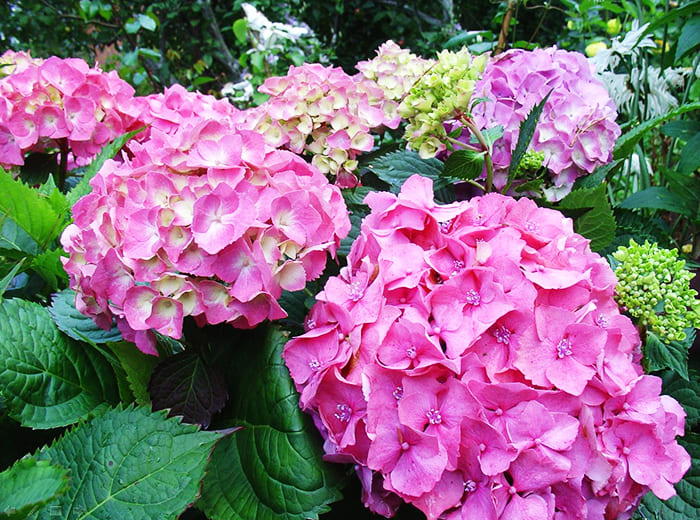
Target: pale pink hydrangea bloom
{"x": 326, "y": 113}
{"x": 46, "y": 102}
{"x": 470, "y": 359}
{"x": 394, "y": 69}
{"x": 198, "y": 219}
{"x": 577, "y": 128}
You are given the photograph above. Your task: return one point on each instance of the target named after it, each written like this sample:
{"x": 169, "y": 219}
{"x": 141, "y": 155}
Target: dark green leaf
{"x": 689, "y": 39}
{"x": 49, "y": 266}
{"x": 682, "y": 129}
{"x": 491, "y": 135}
{"x": 189, "y": 385}
{"x": 356, "y": 196}
{"x": 135, "y": 367}
{"x": 240, "y": 30}
{"x": 597, "y": 223}
{"x": 690, "y": 156}
{"x": 28, "y": 223}
{"x": 464, "y": 164}
{"x": 686, "y": 504}
{"x": 527, "y": 130}
{"x": 395, "y": 167}
{"x": 47, "y": 379}
{"x": 659, "y": 355}
{"x": 6, "y": 280}
{"x": 107, "y": 152}
{"x": 356, "y": 222}
{"x": 272, "y": 469}
{"x": 28, "y": 485}
{"x": 656, "y": 197}
{"x": 76, "y": 325}
{"x": 130, "y": 464}
{"x": 150, "y": 53}
{"x": 38, "y": 167}
{"x": 626, "y": 143}
{"x": 687, "y": 188}
{"x": 597, "y": 177}
{"x": 687, "y": 393}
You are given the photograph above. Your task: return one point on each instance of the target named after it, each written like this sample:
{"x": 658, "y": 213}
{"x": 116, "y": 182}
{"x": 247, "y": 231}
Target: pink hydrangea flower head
{"x": 199, "y": 218}
{"x": 323, "y": 112}
{"x": 577, "y": 129}
{"x": 62, "y": 104}
{"x": 470, "y": 359}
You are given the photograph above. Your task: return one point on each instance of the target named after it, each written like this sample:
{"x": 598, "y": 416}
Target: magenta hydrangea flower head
{"x": 61, "y": 103}
{"x": 324, "y": 112}
{"x": 201, "y": 219}
{"x": 471, "y": 360}
{"x": 577, "y": 128}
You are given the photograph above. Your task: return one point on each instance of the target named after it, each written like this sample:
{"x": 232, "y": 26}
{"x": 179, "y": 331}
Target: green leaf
{"x": 28, "y": 485}
{"x": 49, "y": 266}
{"x": 130, "y": 464}
{"x": 272, "y": 469}
{"x": 136, "y": 368}
{"x": 682, "y": 129}
{"x": 686, "y": 504}
{"x": 464, "y": 164}
{"x": 188, "y": 385}
{"x": 626, "y": 143}
{"x": 690, "y": 156}
{"x": 28, "y": 223}
{"x": 527, "y": 130}
{"x": 687, "y": 393}
{"x": 108, "y": 151}
{"x": 47, "y": 379}
{"x": 132, "y": 25}
{"x": 7, "y": 279}
{"x": 150, "y": 53}
{"x": 76, "y": 325}
{"x": 38, "y": 167}
{"x": 395, "y": 167}
{"x": 660, "y": 355}
{"x": 656, "y": 197}
{"x": 356, "y": 196}
{"x": 240, "y": 30}
{"x": 597, "y": 223}
{"x": 689, "y": 39}
{"x": 356, "y": 224}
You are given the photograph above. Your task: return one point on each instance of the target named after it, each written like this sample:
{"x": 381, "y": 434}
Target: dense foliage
{"x": 349, "y": 259}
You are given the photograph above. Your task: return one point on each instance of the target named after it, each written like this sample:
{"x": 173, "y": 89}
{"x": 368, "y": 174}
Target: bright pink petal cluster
{"x": 59, "y": 103}
{"x": 577, "y": 128}
{"x": 324, "y": 112}
{"x": 200, "y": 219}
{"x": 470, "y": 360}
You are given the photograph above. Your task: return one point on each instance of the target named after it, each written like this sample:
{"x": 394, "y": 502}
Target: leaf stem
{"x": 467, "y": 122}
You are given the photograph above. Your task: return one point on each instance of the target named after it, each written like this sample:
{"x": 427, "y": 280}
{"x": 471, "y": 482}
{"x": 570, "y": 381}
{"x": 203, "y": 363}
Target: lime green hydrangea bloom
{"x": 438, "y": 96}
{"x": 530, "y": 163}
{"x": 654, "y": 287}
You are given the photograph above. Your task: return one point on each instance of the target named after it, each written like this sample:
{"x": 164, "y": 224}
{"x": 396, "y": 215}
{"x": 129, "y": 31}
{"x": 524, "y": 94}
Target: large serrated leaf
{"x": 188, "y": 384}
{"x": 272, "y": 469}
{"x": 49, "y": 266}
{"x": 464, "y": 165}
{"x": 135, "y": 368}
{"x": 28, "y": 223}
{"x": 597, "y": 223}
{"x": 108, "y": 151}
{"x": 28, "y": 485}
{"x": 659, "y": 355}
{"x": 76, "y": 325}
{"x": 525, "y": 134}
{"x": 395, "y": 167}
{"x": 689, "y": 39}
{"x": 656, "y": 197}
{"x": 130, "y": 464}
{"x": 686, "y": 504}
{"x": 687, "y": 393}
{"x": 47, "y": 379}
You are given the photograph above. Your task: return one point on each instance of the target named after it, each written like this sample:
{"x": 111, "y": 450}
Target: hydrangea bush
{"x": 471, "y": 360}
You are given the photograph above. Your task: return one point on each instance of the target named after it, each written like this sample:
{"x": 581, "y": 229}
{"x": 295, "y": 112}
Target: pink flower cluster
{"x": 45, "y": 102}
{"x": 200, "y": 219}
{"x": 325, "y": 112}
{"x": 576, "y": 130}
{"x": 471, "y": 360}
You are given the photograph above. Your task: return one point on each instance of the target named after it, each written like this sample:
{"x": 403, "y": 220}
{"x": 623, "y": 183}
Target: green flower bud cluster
{"x": 439, "y": 95}
{"x": 530, "y": 163}
{"x": 654, "y": 287}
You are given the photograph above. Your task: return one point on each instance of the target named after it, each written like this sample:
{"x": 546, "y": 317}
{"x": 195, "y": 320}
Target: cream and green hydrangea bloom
{"x": 441, "y": 94}
{"x": 654, "y": 287}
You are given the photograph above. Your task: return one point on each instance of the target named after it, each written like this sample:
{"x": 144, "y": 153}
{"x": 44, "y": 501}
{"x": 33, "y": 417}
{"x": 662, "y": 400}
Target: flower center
{"x": 434, "y": 416}
{"x": 355, "y": 291}
{"x": 343, "y": 412}
{"x": 314, "y": 365}
{"x": 564, "y": 348}
{"x": 473, "y": 297}
{"x": 502, "y": 335}
{"x": 411, "y": 352}
{"x": 398, "y": 393}
{"x": 602, "y": 320}
{"x": 469, "y": 486}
